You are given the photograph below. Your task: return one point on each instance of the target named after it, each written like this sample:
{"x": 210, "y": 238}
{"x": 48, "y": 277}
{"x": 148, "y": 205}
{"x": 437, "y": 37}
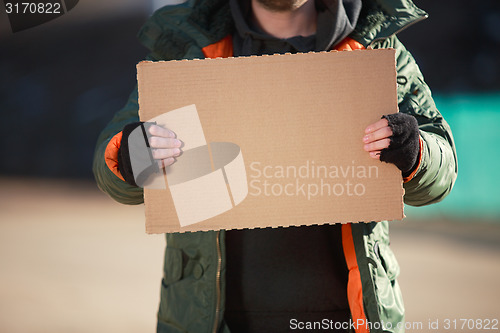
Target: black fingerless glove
{"x": 124, "y": 164}
{"x": 404, "y": 148}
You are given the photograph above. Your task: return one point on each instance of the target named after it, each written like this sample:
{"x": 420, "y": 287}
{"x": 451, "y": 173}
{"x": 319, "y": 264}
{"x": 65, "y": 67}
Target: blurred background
{"x": 72, "y": 260}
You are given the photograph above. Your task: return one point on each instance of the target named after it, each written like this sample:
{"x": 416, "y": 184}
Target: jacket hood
{"x": 336, "y": 19}
{"x": 180, "y": 31}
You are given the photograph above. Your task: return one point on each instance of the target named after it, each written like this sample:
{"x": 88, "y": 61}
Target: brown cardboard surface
{"x": 276, "y": 140}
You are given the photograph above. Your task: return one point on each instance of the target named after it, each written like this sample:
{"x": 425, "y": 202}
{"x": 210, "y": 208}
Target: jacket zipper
{"x": 217, "y": 283}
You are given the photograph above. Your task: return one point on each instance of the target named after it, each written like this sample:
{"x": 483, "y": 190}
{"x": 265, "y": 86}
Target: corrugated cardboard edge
{"x": 155, "y": 230}
{"x": 144, "y": 62}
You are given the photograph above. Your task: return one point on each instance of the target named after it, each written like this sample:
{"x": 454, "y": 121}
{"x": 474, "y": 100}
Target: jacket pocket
{"x": 172, "y": 271}
{"x": 387, "y": 292}
{"x": 388, "y": 260}
{"x": 168, "y": 312}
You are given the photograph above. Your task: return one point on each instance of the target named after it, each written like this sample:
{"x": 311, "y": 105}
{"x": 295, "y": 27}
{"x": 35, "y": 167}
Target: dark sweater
{"x": 276, "y": 275}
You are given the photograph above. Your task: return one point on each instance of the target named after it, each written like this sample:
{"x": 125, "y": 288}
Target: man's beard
{"x": 281, "y": 5}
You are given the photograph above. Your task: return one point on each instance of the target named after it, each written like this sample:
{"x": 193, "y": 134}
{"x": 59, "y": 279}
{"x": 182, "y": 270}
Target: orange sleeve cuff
{"x": 410, "y": 177}
{"x": 111, "y": 155}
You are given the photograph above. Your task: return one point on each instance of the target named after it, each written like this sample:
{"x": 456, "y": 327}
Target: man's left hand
{"x": 377, "y": 137}
{"x": 394, "y": 139}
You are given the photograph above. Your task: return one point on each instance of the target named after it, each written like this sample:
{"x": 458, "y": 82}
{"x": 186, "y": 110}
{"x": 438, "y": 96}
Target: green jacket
{"x": 193, "y": 287}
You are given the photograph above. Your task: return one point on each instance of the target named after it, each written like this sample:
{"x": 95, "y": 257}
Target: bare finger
{"x": 377, "y": 125}
{"x": 377, "y": 145}
{"x": 382, "y": 133}
{"x": 160, "y": 154}
{"x": 166, "y": 162}
{"x": 156, "y": 130}
{"x": 162, "y": 142}
{"x": 375, "y": 154}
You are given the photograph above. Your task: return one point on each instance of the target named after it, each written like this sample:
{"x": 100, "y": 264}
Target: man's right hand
{"x": 165, "y": 146}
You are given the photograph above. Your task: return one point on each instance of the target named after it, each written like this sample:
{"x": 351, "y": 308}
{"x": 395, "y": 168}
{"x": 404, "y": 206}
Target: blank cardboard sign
{"x": 271, "y": 141}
